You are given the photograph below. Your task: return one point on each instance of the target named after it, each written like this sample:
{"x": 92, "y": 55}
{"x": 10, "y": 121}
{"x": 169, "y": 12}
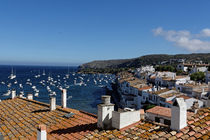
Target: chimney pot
{"x": 52, "y": 102}
{"x": 13, "y": 94}
{"x": 63, "y": 98}
{"x": 41, "y": 132}
{"x": 106, "y": 99}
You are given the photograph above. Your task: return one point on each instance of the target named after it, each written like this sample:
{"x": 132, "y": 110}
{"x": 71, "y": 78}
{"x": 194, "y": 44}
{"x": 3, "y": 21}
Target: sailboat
{"x": 12, "y": 75}
{"x": 67, "y": 75}
{"x": 36, "y": 93}
{"x": 43, "y": 72}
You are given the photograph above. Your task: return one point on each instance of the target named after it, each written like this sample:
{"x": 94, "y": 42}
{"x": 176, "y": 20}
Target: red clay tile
{"x": 179, "y": 134}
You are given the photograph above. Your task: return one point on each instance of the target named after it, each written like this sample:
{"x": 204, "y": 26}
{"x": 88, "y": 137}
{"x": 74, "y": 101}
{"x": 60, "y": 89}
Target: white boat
{"x": 21, "y": 92}
{"x": 8, "y": 93}
{"x": 69, "y": 97}
{"x": 20, "y": 85}
{"x": 12, "y": 75}
{"x": 67, "y": 76}
{"x": 36, "y": 94}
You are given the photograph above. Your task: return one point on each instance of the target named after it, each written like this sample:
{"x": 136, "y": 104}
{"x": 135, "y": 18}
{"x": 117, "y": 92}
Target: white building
{"x": 193, "y": 89}
{"x": 144, "y": 71}
{"x": 159, "y": 76}
{"x": 175, "y": 117}
{"x": 192, "y": 68}
{"x": 129, "y": 92}
{"x": 190, "y": 101}
{"x": 159, "y": 114}
{"x": 169, "y": 79}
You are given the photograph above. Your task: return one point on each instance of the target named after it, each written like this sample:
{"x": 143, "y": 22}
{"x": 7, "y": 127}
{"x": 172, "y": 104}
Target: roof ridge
{"x": 59, "y": 108}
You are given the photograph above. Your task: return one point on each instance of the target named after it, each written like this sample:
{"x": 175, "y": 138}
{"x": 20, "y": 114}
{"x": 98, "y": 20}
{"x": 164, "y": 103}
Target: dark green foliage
{"x": 105, "y": 70}
{"x": 180, "y": 72}
{"x": 198, "y": 76}
{"x": 112, "y": 65}
{"x": 165, "y": 68}
{"x": 150, "y": 106}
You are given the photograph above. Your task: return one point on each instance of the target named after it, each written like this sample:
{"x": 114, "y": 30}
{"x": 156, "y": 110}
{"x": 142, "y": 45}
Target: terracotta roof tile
{"x": 17, "y": 123}
{"x": 21, "y": 117}
{"x": 162, "y": 111}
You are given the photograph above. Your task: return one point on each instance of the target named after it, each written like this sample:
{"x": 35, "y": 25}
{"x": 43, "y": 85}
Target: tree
{"x": 197, "y": 76}
{"x": 179, "y": 72}
{"x": 165, "y": 68}
{"x": 149, "y": 106}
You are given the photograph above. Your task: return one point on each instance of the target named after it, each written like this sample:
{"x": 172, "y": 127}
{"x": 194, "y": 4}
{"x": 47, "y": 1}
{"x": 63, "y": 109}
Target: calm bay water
{"x": 83, "y": 90}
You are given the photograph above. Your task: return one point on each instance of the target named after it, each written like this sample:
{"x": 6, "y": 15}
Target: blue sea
{"x": 83, "y": 90}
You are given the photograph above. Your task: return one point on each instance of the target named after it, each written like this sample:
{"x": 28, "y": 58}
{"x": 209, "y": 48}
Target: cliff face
{"x": 144, "y": 60}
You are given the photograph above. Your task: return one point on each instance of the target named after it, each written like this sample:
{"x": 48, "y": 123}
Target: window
{"x": 150, "y": 97}
{"x": 157, "y": 119}
{"x": 167, "y": 122}
{"x": 140, "y": 93}
{"x": 127, "y": 85}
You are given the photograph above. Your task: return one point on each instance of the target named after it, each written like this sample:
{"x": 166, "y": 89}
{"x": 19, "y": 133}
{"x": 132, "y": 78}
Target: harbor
{"x": 83, "y": 90}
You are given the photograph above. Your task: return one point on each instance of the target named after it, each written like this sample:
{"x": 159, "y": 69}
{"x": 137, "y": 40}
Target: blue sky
{"x": 71, "y": 32}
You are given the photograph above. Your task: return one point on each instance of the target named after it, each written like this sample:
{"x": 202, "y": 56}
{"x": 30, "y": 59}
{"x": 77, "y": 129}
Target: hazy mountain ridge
{"x": 154, "y": 59}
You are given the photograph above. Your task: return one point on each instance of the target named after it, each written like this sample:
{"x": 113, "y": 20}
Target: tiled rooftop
{"x": 198, "y": 128}
{"x": 19, "y": 119}
{"x": 170, "y": 94}
{"x": 184, "y": 97}
{"x": 162, "y": 111}
{"x": 145, "y": 88}
{"x": 160, "y": 91}
{"x": 175, "y": 78}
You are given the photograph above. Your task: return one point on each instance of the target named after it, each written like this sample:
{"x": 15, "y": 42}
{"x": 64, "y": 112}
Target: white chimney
{"x": 63, "y": 98}
{"x": 21, "y": 95}
{"x": 30, "y": 96}
{"x": 41, "y": 132}
{"x": 52, "y": 102}
{"x": 203, "y": 90}
{"x": 178, "y": 114}
{"x": 105, "y": 113}
{"x": 173, "y": 77}
{"x": 13, "y": 94}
